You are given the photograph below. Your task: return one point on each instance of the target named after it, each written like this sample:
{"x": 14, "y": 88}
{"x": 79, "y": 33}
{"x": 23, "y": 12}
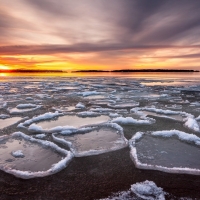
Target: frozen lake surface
{"x": 88, "y": 119}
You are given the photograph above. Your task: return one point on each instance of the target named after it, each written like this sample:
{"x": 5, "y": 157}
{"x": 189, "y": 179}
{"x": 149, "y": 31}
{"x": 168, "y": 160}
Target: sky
{"x": 99, "y": 34}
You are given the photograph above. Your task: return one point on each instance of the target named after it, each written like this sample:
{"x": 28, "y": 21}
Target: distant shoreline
{"x": 141, "y": 70}
{"x": 96, "y": 71}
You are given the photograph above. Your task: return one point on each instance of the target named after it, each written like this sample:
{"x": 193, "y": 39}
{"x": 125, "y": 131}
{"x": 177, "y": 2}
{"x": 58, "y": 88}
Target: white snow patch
{"x": 148, "y": 190}
{"x": 80, "y": 105}
{"x": 40, "y": 136}
{"x": 114, "y": 115}
{"x": 29, "y": 105}
{"x": 89, "y": 93}
{"x": 88, "y": 114}
{"x": 101, "y": 110}
{"x": 4, "y": 116}
{"x": 132, "y": 121}
{"x": 191, "y": 123}
{"x": 17, "y": 154}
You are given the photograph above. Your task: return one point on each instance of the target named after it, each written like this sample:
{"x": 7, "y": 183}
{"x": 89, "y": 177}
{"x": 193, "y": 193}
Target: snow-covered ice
{"x": 146, "y": 190}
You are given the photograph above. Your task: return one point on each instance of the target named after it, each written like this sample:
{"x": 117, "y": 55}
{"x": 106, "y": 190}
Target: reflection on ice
{"x": 72, "y": 120}
{"x": 9, "y": 121}
{"x": 97, "y": 140}
{"x": 170, "y": 151}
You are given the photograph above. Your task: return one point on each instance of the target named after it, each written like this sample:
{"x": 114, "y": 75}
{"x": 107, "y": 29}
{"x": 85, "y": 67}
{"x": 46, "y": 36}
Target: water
{"x": 72, "y": 120}
{"x": 186, "y": 76}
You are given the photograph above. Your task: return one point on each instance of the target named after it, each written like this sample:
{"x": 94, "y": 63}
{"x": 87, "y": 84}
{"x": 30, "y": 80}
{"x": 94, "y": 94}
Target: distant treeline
{"x": 123, "y": 70}
{"x": 141, "y": 70}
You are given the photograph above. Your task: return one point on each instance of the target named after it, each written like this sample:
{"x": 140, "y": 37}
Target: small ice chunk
{"x": 4, "y": 116}
{"x": 35, "y": 128}
{"x": 89, "y": 93}
{"x": 148, "y": 190}
{"x": 114, "y": 115}
{"x": 192, "y": 124}
{"x": 40, "y": 136}
{"x": 29, "y": 98}
{"x": 17, "y": 154}
{"x": 29, "y": 105}
{"x": 80, "y": 105}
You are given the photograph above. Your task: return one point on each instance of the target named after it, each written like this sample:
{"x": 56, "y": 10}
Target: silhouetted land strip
{"x": 141, "y": 70}
{"x": 96, "y": 71}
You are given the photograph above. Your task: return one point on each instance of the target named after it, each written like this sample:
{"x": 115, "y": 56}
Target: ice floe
{"x": 23, "y": 106}
{"x": 168, "y": 114}
{"x": 67, "y": 124}
{"x": 177, "y": 154}
{"x": 124, "y": 105}
{"x": 94, "y": 140}
{"x": 46, "y": 116}
{"x": 36, "y": 158}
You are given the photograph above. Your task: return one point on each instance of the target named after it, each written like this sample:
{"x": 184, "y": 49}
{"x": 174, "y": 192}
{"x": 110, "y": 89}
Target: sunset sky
{"x": 99, "y": 34}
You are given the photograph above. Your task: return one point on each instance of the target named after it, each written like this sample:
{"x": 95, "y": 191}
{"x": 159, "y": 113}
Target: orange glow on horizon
{"x": 153, "y": 59}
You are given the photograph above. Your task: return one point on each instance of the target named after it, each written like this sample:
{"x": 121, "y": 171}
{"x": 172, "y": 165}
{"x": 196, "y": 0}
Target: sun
{"x": 4, "y": 67}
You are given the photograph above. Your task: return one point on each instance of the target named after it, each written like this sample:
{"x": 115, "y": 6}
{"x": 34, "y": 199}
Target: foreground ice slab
{"x": 147, "y": 190}
{"x": 95, "y": 140}
{"x": 26, "y": 157}
{"x": 169, "y": 151}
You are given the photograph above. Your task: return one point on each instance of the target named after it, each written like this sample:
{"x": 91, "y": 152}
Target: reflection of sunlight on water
{"x": 167, "y": 83}
{"x": 4, "y": 74}
{"x": 170, "y": 76}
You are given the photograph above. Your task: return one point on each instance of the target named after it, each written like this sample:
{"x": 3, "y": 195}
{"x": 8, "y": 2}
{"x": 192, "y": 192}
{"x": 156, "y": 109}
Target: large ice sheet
{"x": 170, "y": 151}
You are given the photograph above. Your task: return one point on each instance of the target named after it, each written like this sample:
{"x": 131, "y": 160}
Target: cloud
{"x": 114, "y": 29}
